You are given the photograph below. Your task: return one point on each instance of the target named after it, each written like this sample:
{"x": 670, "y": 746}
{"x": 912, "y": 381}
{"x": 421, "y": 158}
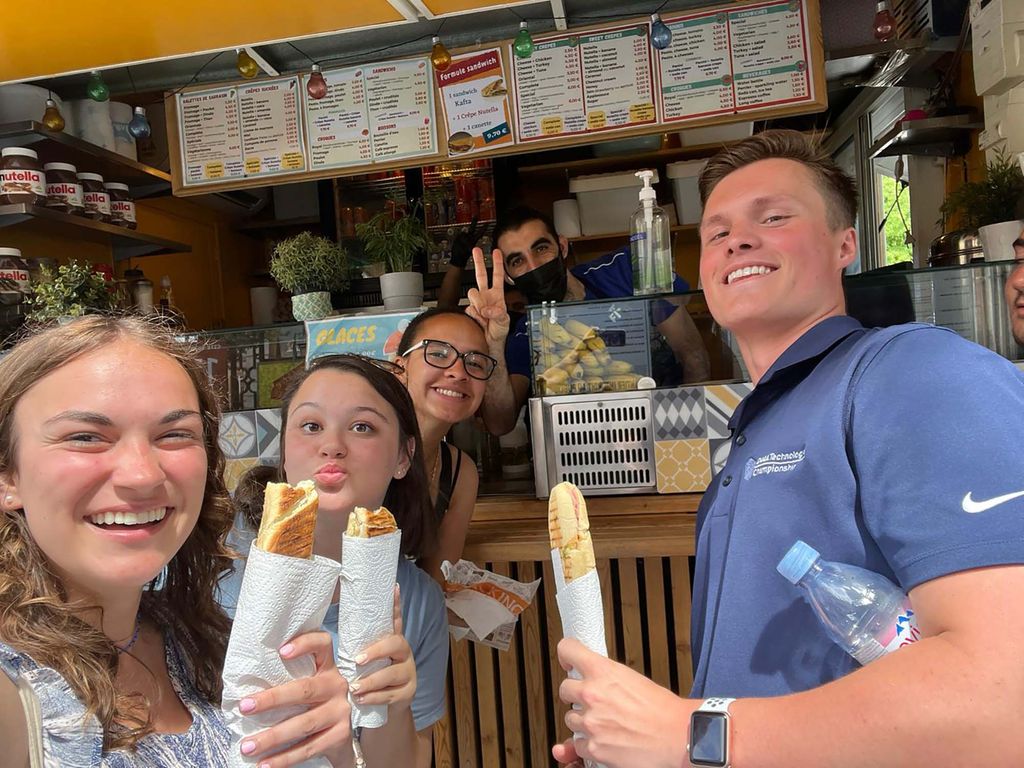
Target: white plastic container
{"x": 606, "y": 201}
{"x": 715, "y": 134}
{"x": 685, "y": 192}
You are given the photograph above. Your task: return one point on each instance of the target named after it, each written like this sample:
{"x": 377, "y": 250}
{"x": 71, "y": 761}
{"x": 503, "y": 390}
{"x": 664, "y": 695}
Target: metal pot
{"x": 959, "y": 247}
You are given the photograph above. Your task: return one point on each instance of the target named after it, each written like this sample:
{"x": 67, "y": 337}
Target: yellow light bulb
{"x": 439, "y": 55}
{"x": 246, "y": 64}
{"x": 52, "y": 118}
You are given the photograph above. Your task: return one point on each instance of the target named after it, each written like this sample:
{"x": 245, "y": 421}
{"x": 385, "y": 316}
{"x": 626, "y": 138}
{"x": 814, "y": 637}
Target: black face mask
{"x": 547, "y": 282}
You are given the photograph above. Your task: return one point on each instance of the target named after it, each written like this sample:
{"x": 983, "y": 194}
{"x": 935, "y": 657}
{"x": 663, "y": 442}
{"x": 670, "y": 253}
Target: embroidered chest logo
{"x": 773, "y": 463}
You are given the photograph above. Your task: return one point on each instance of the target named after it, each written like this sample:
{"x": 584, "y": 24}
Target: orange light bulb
{"x": 246, "y": 64}
{"x": 439, "y": 55}
{"x": 52, "y": 118}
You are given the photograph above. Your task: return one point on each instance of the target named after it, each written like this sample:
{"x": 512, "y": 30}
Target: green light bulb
{"x": 523, "y": 44}
{"x": 96, "y": 89}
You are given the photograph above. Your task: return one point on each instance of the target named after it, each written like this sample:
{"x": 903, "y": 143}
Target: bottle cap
{"x": 798, "y": 561}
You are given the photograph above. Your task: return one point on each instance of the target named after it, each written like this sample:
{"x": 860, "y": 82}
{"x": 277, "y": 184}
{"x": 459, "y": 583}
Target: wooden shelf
{"x": 601, "y": 164}
{"x": 257, "y": 228}
{"x": 625, "y": 235}
{"x": 125, "y": 243}
{"x": 143, "y": 180}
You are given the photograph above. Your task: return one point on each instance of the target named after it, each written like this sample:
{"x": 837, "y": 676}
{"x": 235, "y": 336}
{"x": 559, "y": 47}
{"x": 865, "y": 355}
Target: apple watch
{"x": 708, "y": 745}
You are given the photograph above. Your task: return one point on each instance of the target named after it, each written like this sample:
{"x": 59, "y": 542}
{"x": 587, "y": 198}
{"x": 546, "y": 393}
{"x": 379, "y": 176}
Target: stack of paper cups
{"x": 91, "y": 120}
{"x": 567, "y": 217}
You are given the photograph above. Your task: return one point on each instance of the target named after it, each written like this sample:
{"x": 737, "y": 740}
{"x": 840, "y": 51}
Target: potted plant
{"x": 395, "y": 239}
{"x": 74, "y": 289}
{"x": 309, "y": 267}
{"x": 992, "y": 206}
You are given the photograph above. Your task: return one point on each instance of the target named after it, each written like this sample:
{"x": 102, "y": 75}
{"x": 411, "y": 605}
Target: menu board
{"x": 474, "y": 99}
{"x": 574, "y": 84}
{"x": 211, "y": 136}
{"x": 372, "y": 113}
{"x": 726, "y": 62}
{"x": 271, "y": 128}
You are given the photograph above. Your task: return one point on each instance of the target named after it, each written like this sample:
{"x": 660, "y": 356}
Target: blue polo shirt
{"x": 607, "y": 277}
{"x": 865, "y": 444}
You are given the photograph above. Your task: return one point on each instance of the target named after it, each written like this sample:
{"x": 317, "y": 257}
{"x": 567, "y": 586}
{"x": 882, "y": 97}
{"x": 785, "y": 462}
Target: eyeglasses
{"x": 441, "y": 354}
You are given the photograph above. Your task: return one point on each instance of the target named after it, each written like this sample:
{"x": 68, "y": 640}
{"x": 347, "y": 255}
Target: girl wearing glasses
{"x": 447, "y": 368}
{"x": 348, "y": 424}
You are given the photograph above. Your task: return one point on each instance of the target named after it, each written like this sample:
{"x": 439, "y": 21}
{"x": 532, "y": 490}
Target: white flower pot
{"x": 402, "y": 290}
{"x": 311, "y": 306}
{"x": 997, "y": 239}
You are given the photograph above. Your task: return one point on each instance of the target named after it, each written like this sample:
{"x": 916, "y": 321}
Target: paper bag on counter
{"x": 280, "y": 597}
{"x": 486, "y": 605}
{"x": 369, "y": 569}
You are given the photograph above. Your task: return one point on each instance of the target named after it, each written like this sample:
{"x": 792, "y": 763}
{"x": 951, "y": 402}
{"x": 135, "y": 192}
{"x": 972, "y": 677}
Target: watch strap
{"x": 715, "y": 704}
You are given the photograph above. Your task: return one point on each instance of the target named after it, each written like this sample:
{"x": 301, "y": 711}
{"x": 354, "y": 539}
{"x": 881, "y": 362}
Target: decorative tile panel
{"x": 237, "y": 435}
{"x": 683, "y": 465}
{"x": 268, "y": 433}
{"x": 719, "y": 453}
{"x": 679, "y": 413}
{"x": 721, "y": 401}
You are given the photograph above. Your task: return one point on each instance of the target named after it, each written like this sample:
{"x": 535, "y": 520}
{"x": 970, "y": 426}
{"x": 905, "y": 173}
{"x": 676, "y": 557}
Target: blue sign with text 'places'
{"x": 370, "y": 335}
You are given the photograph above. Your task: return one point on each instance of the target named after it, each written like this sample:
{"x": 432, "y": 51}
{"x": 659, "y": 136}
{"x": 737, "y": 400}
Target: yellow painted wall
{"x": 36, "y": 245}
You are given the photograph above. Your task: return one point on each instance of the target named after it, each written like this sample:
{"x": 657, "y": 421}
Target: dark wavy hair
{"x": 412, "y": 331}
{"x": 35, "y": 615}
{"x": 407, "y": 497}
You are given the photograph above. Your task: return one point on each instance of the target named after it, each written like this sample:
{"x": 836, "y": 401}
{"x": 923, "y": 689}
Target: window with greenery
{"x": 893, "y": 238}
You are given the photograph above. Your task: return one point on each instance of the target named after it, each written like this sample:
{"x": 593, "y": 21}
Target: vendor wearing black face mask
{"x": 535, "y": 262}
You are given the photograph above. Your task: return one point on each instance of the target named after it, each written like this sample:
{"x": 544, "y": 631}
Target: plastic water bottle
{"x": 864, "y": 613}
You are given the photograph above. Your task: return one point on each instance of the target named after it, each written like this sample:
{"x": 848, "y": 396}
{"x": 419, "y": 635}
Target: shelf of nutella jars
{"x": 454, "y": 196}
{"x": 63, "y": 199}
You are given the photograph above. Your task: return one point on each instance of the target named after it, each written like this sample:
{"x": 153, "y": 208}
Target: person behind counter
{"x": 446, "y": 371}
{"x": 112, "y": 477}
{"x": 349, "y": 425}
{"x": 533, "y": 256}
{"x": 893, "y": 449}
{"x": 1014, "y": 291}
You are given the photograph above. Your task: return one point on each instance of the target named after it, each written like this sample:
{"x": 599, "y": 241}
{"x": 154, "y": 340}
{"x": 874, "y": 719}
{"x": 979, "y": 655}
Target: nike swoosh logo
{"x": 972, "y": 507}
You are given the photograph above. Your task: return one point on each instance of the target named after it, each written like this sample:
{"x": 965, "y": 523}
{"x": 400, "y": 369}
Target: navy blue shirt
{"x": 865, "y": 444}
{"x": 607, "y": 277}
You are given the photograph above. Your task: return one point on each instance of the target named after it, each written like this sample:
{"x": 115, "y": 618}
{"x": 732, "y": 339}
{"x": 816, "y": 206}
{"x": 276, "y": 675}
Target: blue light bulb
{"x": 661, "y": 35}
{"x": 139, "y": 126}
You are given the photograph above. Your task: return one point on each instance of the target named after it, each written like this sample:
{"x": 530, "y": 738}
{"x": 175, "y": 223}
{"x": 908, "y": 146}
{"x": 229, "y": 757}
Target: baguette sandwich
{"x": 365, "y": 524}
{"x": 569, "y": 529}
{"x": 289, "y": 519}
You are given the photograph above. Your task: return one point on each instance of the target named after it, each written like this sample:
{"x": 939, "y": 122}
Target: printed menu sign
{"x": 474, "y": 99}
{"x": 574, "y": 84}
{"x": 400, "y": 100}
{"x": 271, "y": 128}
{"x": 337, "y": 126}
{"x": 725, "y": 62}
{"x": 211, "y": 136}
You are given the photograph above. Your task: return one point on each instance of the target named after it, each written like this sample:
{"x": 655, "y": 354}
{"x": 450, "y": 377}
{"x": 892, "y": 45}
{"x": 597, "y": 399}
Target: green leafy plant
{"x": 307, "y": 263}
{"x": 995, "y": 198}
{"x": 74, "y": 289}
{"x": 393, "y": 241}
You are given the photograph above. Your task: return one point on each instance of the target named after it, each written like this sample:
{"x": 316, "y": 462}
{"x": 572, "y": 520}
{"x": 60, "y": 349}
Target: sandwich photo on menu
{"x": 497, "y": 88}
{"x": 289, "y": 519}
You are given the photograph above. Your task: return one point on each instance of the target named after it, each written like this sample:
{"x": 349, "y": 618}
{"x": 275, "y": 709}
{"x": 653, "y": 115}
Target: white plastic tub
{"x": 684, "y": 189}
{"x": 607, "y": 200}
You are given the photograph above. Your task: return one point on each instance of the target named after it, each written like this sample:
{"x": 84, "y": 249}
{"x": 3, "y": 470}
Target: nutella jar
{"x": 21, "y": 177}
{"x": 122, "y": 209}
{"x": 14, "y": 279}
{"x": 95, "y": 197}
{"x": 63, "y": 189}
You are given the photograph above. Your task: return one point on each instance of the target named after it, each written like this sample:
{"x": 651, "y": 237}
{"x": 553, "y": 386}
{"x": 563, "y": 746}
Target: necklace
{"x": 437, "y": 464}
{"x": 131, "y": 643}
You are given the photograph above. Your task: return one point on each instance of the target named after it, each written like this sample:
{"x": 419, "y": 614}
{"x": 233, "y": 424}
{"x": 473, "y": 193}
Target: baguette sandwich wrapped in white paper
{"x": 577, "y": 586}
{"x": 370, "y": 550}
{"x": 286, "y": 591}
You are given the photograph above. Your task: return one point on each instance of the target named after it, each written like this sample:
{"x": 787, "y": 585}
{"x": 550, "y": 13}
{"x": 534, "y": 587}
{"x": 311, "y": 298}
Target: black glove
{"x": 462, "y": 246}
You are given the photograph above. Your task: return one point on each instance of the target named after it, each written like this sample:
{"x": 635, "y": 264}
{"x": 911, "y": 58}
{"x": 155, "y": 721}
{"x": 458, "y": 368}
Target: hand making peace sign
{"x": 487, "y": 300}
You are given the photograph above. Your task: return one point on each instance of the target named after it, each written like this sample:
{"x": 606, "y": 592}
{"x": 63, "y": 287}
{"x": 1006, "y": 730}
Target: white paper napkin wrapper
{"x": 280, "y": 597}
{"x": 485, "y": 601}
{"x": 369, "y": 569}
{"x": 582, "y": 613}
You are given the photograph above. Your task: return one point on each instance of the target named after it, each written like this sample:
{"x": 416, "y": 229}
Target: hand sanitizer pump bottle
{"x": 650, "y": 243}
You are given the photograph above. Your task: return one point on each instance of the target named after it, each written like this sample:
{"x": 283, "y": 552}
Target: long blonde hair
{"x": 35, "y": 615}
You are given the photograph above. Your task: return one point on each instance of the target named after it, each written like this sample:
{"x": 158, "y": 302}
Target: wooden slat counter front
{"x": 503, "y": 707}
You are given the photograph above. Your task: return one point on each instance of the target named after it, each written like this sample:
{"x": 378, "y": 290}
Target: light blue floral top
{"x": 70, "y": 740}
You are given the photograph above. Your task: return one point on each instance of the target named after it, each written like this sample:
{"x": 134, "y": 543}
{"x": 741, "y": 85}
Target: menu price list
{"x": 743, "y": 59}
{"x": 575, "y": 84}
{"x": 211, "y": 143}
{"x": 401, "y": 109}
{"x": 337, "y": 125}
{"x": 271, "y": 133}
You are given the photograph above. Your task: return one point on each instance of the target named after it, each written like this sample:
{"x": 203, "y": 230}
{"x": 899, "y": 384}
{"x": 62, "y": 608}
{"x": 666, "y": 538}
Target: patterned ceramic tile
{"x": 238, "y": 435}
{"x": 679, "y": 413}
{"x": 683, "y": 465}
{"x": 722, "y": 400}
{"x": 719, "y": 453}
{"x": 235, "y": 468}
{"x": 268, "y": 432}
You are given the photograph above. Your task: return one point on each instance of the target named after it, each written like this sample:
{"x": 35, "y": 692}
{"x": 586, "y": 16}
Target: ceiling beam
{"x": 407, "y": 9}
{"x": 259, "y": 59}
{"x": 558, "y": 11}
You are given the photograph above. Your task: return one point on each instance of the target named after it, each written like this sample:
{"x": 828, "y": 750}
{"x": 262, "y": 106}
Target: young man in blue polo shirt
{"x": 896, "y": 450}
{"x": 534, "y": 259}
